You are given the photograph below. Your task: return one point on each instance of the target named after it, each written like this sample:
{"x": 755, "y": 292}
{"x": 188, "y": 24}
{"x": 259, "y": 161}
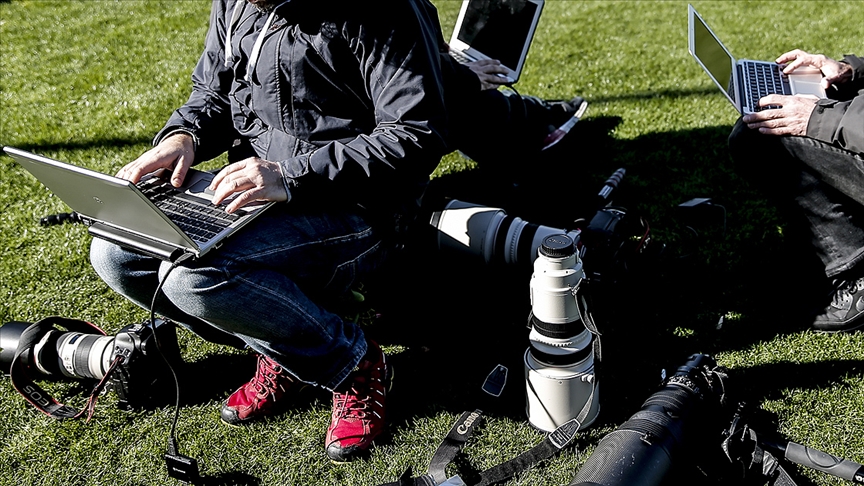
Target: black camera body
{"x": 145, "y": 375}
{"x": 137, "y": 363}
{"x": 669, "y": 428}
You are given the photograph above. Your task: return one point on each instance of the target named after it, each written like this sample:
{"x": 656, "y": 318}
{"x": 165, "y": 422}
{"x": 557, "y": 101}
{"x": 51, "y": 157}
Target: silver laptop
{"x": 745, "y": 81}
{"x": 496, "y": 29}
{"x": 151, "y": 217}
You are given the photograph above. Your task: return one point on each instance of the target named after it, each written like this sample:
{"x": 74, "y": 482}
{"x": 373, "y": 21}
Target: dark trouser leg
{"x": 263, "y": 288}
{"x": 820, "y": 186}
{"x": 492, "y": 125}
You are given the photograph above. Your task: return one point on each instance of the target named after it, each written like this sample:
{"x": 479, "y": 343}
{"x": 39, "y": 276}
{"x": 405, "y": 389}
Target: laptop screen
{"x": 713, "y": 56}
{"x": 498, "y": 28}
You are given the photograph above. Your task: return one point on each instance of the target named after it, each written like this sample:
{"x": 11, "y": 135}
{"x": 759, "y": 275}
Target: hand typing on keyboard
{"x": 833, "y": 72}
{"x": 252, "y": 179}
{"x": 790, "y": 115}
{"x": 175, "y": 153}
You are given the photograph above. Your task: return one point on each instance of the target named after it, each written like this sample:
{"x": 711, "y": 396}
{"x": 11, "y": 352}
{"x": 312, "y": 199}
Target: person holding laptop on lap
{"x": 808, "y": 155}
{"x": 489, "y": 125}
{"x": 338, "y": 115}
{"x": 344, "y": 138}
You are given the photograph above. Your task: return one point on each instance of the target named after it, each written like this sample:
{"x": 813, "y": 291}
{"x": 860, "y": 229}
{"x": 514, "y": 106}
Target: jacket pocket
{"x": 323, "y": 105}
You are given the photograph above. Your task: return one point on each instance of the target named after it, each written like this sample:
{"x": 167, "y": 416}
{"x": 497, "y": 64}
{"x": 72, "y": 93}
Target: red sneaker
{"x": 358, "y": 412}
{"x": 259, "y": 397}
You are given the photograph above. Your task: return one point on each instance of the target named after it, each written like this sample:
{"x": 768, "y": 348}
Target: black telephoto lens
{"x": 667, "y": 430}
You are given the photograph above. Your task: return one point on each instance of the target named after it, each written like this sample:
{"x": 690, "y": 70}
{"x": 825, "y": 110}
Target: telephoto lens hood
{"x": 10, "y": 335}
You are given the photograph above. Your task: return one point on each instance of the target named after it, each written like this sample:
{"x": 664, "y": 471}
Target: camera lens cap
{"x": 557, "y": 246}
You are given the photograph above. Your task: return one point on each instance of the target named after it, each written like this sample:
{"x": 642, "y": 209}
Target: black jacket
{"x": 840, "y": 121}
{"x": 346, "y": 96}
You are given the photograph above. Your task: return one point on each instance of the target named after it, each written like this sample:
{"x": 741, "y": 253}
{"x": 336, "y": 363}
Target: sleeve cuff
{"x": 162, "y": 136}
{"x": 285, "y": 184}
{"x": 857, "y": 65}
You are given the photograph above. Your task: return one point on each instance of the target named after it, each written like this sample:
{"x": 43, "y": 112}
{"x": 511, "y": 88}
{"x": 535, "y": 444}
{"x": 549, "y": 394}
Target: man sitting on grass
{"x": 339, "y": 113}
{"x": 336, "y": 112}
{"x": 808, "y": 154}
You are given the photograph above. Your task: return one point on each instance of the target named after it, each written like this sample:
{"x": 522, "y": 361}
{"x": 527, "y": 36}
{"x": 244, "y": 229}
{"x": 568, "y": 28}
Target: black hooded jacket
{"x": 346, "y": 96}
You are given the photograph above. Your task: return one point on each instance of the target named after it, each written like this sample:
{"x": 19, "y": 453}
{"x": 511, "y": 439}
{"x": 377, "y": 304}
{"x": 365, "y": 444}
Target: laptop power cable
{"x": 183, "y": 468}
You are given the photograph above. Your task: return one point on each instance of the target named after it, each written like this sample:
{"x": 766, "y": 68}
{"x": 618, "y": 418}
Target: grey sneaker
{"x": 846, "y": 311}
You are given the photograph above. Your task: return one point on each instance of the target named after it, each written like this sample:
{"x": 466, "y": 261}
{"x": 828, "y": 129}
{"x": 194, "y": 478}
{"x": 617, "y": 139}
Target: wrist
{"x": 854, "y": 67}
{"x": 187, "y": 138}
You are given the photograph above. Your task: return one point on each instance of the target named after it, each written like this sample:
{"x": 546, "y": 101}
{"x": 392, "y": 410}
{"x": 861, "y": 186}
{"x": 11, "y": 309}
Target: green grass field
{"x": 91, "y": 82}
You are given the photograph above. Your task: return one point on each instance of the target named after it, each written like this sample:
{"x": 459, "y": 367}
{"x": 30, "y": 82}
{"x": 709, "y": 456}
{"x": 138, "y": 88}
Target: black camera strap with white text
{"x": 32, "y": 392}
{"x": 459, "y": 434}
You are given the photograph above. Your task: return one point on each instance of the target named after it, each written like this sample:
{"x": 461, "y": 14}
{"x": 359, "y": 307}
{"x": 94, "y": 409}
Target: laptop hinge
{"x": 131, "y": 241}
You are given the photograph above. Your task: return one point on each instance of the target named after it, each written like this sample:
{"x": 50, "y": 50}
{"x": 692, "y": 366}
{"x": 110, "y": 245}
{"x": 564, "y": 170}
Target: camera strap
{"x": 742, "y": 446}
{"x": 32, "y": 392}
{"x": 551, "y": 445}
{"x": 581, "y": 294}
{"x": 459, "y": 434}
{"x": 453, "y": 443}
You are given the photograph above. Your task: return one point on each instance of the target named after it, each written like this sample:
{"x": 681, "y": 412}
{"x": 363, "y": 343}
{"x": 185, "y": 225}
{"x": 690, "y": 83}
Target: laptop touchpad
{"x": 200, "y": 188}
{"x": 807, "y": 84}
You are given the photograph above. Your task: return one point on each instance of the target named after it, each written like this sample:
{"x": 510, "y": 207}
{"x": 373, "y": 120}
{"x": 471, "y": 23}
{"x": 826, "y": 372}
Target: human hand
{"x": 255, "y": 179}
{"x": 790, "y": 118}
{"x": 175, "y": 153}
{"x": 488, "y": 70}
{"x": 833, "y": 72}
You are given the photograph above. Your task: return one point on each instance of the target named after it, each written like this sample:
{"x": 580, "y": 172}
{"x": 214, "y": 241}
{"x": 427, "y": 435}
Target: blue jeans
{"x": 263, "y": 288}
{"x": 821, "y": 186}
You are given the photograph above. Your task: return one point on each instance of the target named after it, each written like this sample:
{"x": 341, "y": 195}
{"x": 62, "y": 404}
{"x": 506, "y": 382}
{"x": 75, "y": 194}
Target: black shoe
{"x": 552, "y": 114}
{"x": 846, "y": 311}
{"x": 565, "y": 114}
{"x": 562, "y": 111}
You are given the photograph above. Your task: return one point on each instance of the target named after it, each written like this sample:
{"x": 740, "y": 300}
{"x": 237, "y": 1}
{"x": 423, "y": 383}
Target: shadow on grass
{"x": 656, "y": 94}
{"x": 458, "y": 317}
{"x": 714, "y": 287}
{"x": 85, "y": 144}
{"x": 201, "y": 384}
{"x": 216, "y": 376}
{"x": 771, "y": 381}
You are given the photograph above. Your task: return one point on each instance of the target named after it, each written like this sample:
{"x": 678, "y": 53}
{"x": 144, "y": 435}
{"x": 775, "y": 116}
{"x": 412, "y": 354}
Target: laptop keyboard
{"x": 763, "y": 79}
{"x": 460, "y": 56}
{"x": 200, "y": 221}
